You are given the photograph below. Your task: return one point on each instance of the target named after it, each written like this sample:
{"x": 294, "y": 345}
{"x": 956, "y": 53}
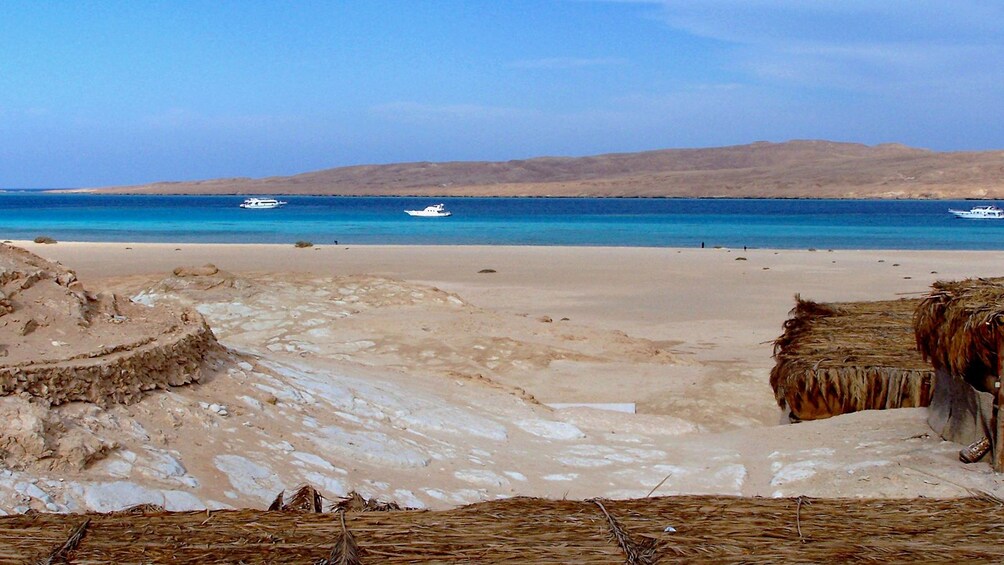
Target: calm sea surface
{"x": 832, "y": 224}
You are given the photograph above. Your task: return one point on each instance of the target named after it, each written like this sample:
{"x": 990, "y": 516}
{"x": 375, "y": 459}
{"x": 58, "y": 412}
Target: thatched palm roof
{"x": 711, "y": 529}
{"x": 844, "y": 357}
{"x": 958, "y": 327}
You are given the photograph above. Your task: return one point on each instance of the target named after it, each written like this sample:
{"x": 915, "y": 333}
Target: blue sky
{"x": 104, "y": 93}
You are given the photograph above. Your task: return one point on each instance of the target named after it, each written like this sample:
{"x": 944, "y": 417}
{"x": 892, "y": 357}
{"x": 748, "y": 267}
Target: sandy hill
{"x": 795, "y": 169}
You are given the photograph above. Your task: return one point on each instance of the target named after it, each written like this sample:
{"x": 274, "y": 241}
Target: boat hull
{"x": 971, "y": 215}
{"x": 424, "y": 214}
{"x": 261, "y": 203}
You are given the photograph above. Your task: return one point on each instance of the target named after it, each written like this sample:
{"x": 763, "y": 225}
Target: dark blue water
{"x": 831, "y": 224}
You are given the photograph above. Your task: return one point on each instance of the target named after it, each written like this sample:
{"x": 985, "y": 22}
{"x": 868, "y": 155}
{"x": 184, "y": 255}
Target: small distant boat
{"x": 262, "y": 203}
{"x": 434, "y": 211}
{"x": 980, "y": 213}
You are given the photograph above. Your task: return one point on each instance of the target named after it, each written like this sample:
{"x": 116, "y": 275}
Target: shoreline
{"x": 643, "y": 290}
{"x": 107, "y": 192}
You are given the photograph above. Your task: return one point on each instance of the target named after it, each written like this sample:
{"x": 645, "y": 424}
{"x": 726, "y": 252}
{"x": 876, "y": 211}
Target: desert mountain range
{"x": 794, "y": 169}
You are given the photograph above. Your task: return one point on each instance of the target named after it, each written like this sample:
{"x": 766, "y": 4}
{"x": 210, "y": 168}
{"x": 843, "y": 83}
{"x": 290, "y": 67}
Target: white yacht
{"x": 434, "y": 211}
{"x": 980, "y": 213}
{"x": 261, "y": 203}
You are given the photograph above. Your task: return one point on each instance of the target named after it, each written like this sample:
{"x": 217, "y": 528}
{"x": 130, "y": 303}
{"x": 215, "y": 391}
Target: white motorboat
{"x": 980, "y": 213}
{"x": 434, "y": 211}
{"x": 261, "y": 203}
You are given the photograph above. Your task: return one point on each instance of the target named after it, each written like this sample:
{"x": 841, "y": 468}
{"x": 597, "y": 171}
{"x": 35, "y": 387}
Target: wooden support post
{"x": 997, "y": 422}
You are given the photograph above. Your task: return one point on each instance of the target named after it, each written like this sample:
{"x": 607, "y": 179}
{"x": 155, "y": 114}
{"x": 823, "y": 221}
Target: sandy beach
{"x": 425, "y": 375}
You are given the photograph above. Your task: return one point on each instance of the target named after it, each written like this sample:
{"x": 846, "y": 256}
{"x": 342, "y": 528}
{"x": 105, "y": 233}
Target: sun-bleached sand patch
{"x": 550, "y": 429}
{"x": 482, "y": 477}
{"x": 105, "y": 497}
{"x": 561, "y": 477}
{"x": 249, "y": 477}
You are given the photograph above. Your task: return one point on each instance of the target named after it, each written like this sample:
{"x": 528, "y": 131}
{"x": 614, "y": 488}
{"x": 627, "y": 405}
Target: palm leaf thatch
{"x": 706, "y": 529}
{"x": 305, "y": 499}
{"x": 837, "y": 358}
{"x": 958, "y": 327}
{"x": 355, "y": 502}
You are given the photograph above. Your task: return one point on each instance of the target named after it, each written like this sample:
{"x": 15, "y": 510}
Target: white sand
{"x": 685, "y": 334}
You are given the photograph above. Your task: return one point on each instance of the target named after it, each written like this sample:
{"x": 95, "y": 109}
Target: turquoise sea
{"x": 633, "y": 222}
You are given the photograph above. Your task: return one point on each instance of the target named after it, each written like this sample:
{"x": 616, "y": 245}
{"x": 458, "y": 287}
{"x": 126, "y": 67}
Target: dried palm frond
{"x": 708, "y": 529}
{"x": 355, "y": 502}
{"x": 276, "y": 502}
{"x": 346, "y": 550}
{"x": 958, "y": 327}
{"x": 838, "y": 358}
{"x": 305, "y": 499}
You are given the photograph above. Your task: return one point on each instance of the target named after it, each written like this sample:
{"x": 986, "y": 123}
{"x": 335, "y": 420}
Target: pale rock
{"x": 854, "y": 467}
{"x": 731, "y": 477}
{"x": 350, "y": 417}
{"x": 406, "y": 498}
{"x": 550, "y": 429}
{"x": 328, "y": 485}
{"x": 252, "y": 403}
{"x": 585, "y": 462}
{"x": 319, "y": 333}
{"x": 115, "y": 467}
{"x": 451, "y": 420}
{"x": 311, "y": 459}
{"x": 373, "y": 446}
{"x": 798, "y": 471}
{"x": 118, "y": 495}
{"x": 249, "y": 477}
{"x": 515, "y": 475}
{"x": 561, "y": 477}
{"x": 181, "y": 501}
{"x": 617, "y": 494}
{"x": 436, "y": 493}
{"x": 33, "y": 491}
{"x": 139, "y": 431}
{"x": 161, "y": 465}
{"x": 467, "y": 496}
{"x": 145, "y": 298}
{"x": 482, "y": 477}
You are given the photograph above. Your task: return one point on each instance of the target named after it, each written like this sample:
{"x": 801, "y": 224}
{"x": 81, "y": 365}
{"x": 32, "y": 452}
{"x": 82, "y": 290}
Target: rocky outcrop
{"x": 35, "y": 437}
{"x": 60, "y": 343}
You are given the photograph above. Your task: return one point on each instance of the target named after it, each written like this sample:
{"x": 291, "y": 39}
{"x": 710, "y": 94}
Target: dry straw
{"x": 958, "y": 327}
{"x": 711, "y": 529}
{"x": 838, "y": 358}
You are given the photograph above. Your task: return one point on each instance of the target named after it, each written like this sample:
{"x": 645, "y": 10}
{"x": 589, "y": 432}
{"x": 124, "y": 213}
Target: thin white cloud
{"x": 893, "y": 48}
{"x": 759, "y": 21}
{"x": 566, "y": 63}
